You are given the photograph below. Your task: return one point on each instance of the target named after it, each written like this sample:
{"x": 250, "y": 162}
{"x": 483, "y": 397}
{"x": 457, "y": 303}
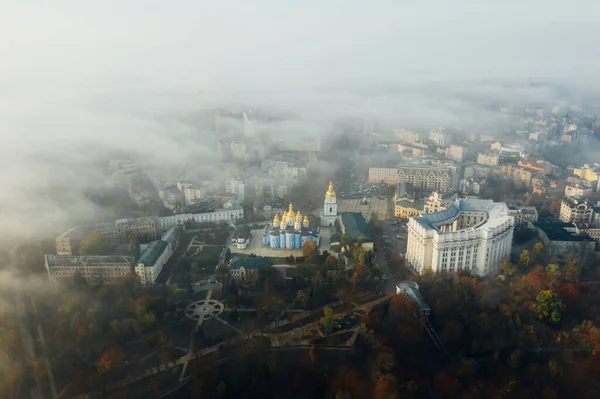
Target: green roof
{"x": 250, "y": 263}
{"x": 153, "y": 252}
{"x": 356, "y": 225}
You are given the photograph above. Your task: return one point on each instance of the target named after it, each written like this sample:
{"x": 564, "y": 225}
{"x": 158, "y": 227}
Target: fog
{"x": 82, "y": 80}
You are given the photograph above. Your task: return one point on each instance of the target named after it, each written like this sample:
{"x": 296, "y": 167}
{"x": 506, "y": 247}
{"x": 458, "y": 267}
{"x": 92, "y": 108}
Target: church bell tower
{"x": 329, "y": 207}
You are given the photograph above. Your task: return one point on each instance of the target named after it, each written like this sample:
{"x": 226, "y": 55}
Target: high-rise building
{"x": 441, "y": 136}
{"x": 473, "y": 235}
{"x": 458, "y": 152}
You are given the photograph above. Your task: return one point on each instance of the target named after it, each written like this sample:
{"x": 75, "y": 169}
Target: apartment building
{"x": 386, "y": 175}
{"x": 95, "y": 270}
{"x": 491, "y": 158}
{"x": 575, "y": 210}
{"x": 458, "y": 152}
{"x": 441, "y": 136}
{"x": 576, "y": 190}
{"x": 235, "y": 186}
{"x": 427, "y": 177}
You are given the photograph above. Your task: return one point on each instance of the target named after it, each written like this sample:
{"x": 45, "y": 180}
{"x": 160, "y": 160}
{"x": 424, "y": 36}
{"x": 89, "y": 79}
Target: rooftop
{"x": 356, "y": 225}
{"x": 111, "y": 260}
{"x": 153, "y": 252}
{"x": 250, "y": 263}
{"x": 411, "y": 289}
{"x": 497, "y": 212}
{"x": 557, "y": 231}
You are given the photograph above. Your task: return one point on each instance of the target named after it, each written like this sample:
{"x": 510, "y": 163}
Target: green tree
{"x": 328, "y": 320}
{"x": 548, "y": 306}
{"x": 94, "y": 243}
{"x": 346, "y": 240}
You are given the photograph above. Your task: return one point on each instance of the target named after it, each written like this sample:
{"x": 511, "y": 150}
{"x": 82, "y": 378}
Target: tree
{"x": 328, "y": 320}
{"x": 346, "y": 240}
{"x": 524, "y": 260}
{"x": 548, "y": 306}
{"x": 94, "y": 243}
{"x": 309, "y": 249}
{"x": 302, "y": 298}
{"x": 110, "y": 358}
{"x": 386, "y": 387}
{"x": 508, "y": 269}
{"x": 331, "y": 262}
{"x": 222, "y": 272}
{"x": 538, "y": 252}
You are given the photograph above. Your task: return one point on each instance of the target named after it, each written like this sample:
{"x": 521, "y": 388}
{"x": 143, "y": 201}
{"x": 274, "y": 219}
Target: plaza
{"x": 373, "y": 205}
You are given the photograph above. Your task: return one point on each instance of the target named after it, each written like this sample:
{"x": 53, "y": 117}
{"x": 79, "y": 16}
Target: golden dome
{"x": 298, "y": 217}
{"x": 276, "y": 219}
{"x": 330, "y": 193}
{"x": 343, "y": 249}
{"x": 291, "y": 210}
{"x": 305, "y": 219}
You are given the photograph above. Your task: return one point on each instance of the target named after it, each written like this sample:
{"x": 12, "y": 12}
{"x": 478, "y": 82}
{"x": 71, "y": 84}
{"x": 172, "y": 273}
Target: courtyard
{"x": 373, "y": 205}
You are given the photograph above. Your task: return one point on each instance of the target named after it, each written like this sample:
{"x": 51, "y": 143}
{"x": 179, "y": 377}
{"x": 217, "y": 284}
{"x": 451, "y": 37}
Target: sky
{"x": 80, "y": 78}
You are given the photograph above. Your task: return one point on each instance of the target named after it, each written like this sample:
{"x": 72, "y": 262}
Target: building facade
{"x": 154, "y": 257}
{"x": 458, "y": 152}
{"x": 441, "y": 136}
{"x": 561, "y": 240}
{"x": 576, "y": 190}
{"x": 404, "y": 209}
{"x": 427, "y": 177}
{"x": 473, "y": 235}
{"x": 95, "y": 270}
{"x": 575, "y": 210}
{"x": 385, "y": 175}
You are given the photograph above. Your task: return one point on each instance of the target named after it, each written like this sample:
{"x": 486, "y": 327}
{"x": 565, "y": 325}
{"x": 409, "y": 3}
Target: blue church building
{"x": 291, "y": 232}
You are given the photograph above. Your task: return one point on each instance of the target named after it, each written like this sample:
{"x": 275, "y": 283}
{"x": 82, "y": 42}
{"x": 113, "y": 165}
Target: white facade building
{"x": 576, "y": 190}
{"x": 235, "y": 186}
{"x": 473, "y": 235}
{"x": 441, "y": 136}
{"x": 221, "y": 215}
{"x": 427, "y": 177}
{"x": 95, "y": 270}
{"x": 329, "y": 207}
{"x": 575, "y": 210}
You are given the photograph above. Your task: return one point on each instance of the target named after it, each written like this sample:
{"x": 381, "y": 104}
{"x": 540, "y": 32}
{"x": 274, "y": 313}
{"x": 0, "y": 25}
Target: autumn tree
{"x": 309, "y": 249}
{"x": 302, "y": 298}
{"x": 524, "y": 260}
{"x": 508, "y": 269}
{"x": 538, "y": 252}
{"x": 548, "y": 306}
{"x": 110, "y": 358}
{"x": 386, "y": 387}
{"x": 346, "y": 240}
{"x": 328, "y": 320}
